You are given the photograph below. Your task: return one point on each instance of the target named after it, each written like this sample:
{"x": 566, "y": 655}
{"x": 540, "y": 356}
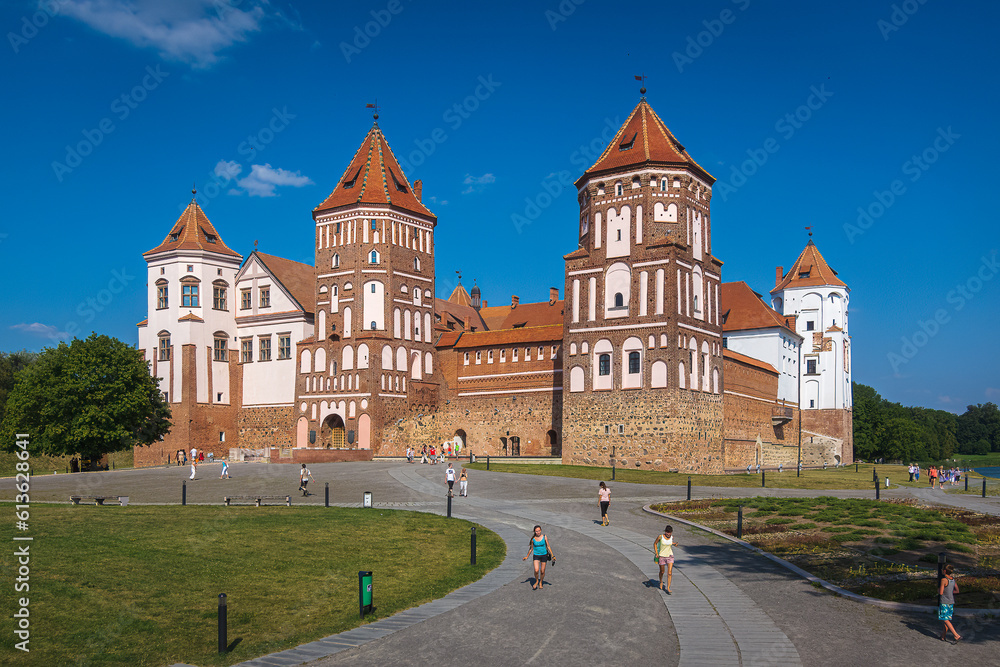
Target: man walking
{"x": 450, "y": 476}
{"x": 304, "y": 477}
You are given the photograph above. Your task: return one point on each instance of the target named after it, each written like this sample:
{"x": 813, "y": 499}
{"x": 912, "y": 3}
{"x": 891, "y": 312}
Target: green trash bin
{"x": 365, "y": 593}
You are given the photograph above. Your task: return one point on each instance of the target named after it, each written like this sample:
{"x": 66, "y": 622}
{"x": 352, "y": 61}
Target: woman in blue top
{"x": 538, "y": 546}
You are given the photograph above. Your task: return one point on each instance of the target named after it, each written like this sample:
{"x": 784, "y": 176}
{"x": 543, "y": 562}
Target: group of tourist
{"x": 937, "y": 477}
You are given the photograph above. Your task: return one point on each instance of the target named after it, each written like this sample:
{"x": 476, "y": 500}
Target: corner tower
{"x": 643, "y": 337}
{"x": 813, "y": 294}
{"x": 372, "y": 353}
{"x": 187, "y": 334}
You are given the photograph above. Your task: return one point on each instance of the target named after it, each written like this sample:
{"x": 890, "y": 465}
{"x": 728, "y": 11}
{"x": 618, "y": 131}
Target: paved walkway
{"x": 600, "y": 605}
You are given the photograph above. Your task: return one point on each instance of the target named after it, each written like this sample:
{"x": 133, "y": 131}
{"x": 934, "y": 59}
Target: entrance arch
{"x": 302, "y": 432}
{"x": 364, "y": 432}
{"x": 333, "y": 433}
{"x": 552, "y": 438}
{"x": 460, "y": 434}
{"x": 515, "y": 445}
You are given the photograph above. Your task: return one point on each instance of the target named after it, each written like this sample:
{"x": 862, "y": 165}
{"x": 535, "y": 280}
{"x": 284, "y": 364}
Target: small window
{"x": 513, "y": 354}
{"x": 604, "y": 364}
{"x": 246, "y": 350}
{"x": 619, "y": 300}
{"x": 245, "y": 302}
{"x": 221, "y": 353}
{"x": 373, "y": 288}
{"x": 336, "y": 260}
{"x": 265, "y": 297}
{"x": 219, "y": 298}
{"x": 607, "y": 430}
{"x": 696, "y": 303}
{"x": 164, "y": 348}
{"x": 503, "y": 356}
{"x": 373, "y": 225}
{"x": 621, "y": 429}
{"x": 527, "y": 354}
{"x": 284, "y": 347}
{"x": 466, "y": 358}
{"x": 812, "y": 403}
{"x": 618, "y": 189}
{"x": 189, "y": 296}
{"x": 554, "y": 351}
{"x": 416, "y": 263}
{"x": 190, "y": 268}
{"x": 663, "y": 185}
{"x": 373, "y": 321}
{"x": 161, "y": 297}
{"x": 265, "y": 348}
{"x": 810, "y": 366}
{"x": 489, "y": 357}
{"x": 479, "y": 357}
{"x": 373, "y": 258}
{"x": 337, "y": 229}
{"x": 541, "y": 352}
{"x": 633, "y": 363}
{"x": 810, "y": 325}
{"x": 222, "y": 434}
{"x": 619, "y": 235}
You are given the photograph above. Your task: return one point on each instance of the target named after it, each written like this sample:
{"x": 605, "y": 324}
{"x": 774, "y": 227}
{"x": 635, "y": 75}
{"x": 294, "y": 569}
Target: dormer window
{"x": 395, "y": 181}
{"x": 625, "y": 145}
{"x": 350, "y": 184}
{"x": 176, "y": 235}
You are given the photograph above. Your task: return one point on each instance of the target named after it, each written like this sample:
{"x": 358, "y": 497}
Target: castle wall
{"x": 270, "y": 426}
{"x": 834, "y": 429}
{"x": 663, "y": 430}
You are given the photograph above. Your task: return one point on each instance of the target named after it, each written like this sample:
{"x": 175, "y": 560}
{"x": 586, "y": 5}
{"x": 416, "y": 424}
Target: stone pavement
{"x": 600, "y": 604}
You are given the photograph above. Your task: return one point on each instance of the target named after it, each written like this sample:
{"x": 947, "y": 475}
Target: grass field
{"x": 832, "y": 478}
{"x": 886, "y": 550}
{"x": 139, "y": 585}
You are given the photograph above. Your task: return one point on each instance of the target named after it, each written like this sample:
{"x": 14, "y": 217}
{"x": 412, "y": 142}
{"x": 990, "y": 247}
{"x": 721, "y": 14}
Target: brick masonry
{"x": 271, "y": 426}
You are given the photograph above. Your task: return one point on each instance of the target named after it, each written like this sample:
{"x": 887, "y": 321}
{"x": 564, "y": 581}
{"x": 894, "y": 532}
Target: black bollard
{"x": 328, "y": 494}
{"x": 874, "y": 474}
{"x": 966, "y": 480}
{"x": 472, "y": 560}
{"x": 223, "y": 639}
{"x": 762, "y": 478}
{"x": 184, "y": 493}
{"x": 984, "y": 487}
{"x": 487, "y": 461}
{"x": 876, "y": 490}
{"x": 612, "y": 470}
{"x": 689, "y": 487}
{"x": 449, "y": 503}
{"x": 739, "y": 523}
{"x": 855, "y": 467}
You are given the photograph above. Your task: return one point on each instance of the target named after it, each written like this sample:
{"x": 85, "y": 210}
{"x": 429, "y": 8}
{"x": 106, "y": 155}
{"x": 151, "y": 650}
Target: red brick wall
{"x": 750, "y": 396}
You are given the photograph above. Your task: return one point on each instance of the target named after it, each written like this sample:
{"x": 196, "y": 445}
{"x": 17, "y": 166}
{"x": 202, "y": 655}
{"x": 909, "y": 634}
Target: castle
{"x": 650, "y": 359}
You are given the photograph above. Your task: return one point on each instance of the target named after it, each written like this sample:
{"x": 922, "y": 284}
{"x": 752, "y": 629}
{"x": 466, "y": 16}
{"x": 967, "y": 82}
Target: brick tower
{"x": 812, "y": 293}
{"x": 187, "y": 334}
{"x": 642, "y": 335}
{"x": 372, "y": 354}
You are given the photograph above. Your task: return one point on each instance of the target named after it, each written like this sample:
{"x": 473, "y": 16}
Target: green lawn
{"x": 139, "y": 585}
{"x": 832, "y": 478}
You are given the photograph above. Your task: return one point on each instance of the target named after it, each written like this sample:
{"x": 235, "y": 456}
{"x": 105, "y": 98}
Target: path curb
{"x": 864, "y": 599}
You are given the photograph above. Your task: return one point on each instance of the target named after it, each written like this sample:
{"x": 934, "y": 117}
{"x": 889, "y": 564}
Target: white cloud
{"x": 191, "y": 31}
{"x": 41, "y": 330}
{"x": 264, "y": 178}
{"x": 477, "y": 183}
{"x": 992, "y": 393}
{"x": 435, "y": 200}
{"x": 228, "y": 169}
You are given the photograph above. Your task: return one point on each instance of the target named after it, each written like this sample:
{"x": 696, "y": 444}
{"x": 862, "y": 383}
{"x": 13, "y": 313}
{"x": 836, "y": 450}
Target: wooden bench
{"x": 100, "y": 500}
{"x": 256, "y": 500}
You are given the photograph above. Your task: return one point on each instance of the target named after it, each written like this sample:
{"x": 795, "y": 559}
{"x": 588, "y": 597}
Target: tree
{"x": 90, "y": 397}
{"x": 979, "y": 422}
{"x": 869, "y": 422}
{"x": 10, "y": 364}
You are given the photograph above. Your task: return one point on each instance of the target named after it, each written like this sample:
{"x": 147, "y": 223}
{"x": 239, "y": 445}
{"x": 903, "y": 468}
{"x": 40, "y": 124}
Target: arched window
{"x": 576, "y": 379}
{"x": 618, "y": 189}
{"x": 659, "y": 374}
{"x": 604, "y": 364}
{"x": 633, "y": 363}
{"x": 373, "y": 258}
{"x": 663, "y": 184}
{"x": 336, "y": 260}
{"x": 416, "y": 263}
{"x": 619, "y": 300}
{"x": 373, "y": 325}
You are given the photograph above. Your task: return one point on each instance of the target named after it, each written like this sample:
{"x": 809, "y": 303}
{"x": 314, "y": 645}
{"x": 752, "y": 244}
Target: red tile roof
{"x": 644, "y": 138}
{"x": 460, "y": 296}
{"x": 494, "y": 316}
{"x": 145, "y": 322}
{"x": 190, "y": 317}
{"x": 534, "y": 315}
{"x": 456, "y": 314}
{"x": 298, "y": 278}
{"x": 743, "y": 309}
{"x": 448, "y": 339}
{"x": 809, "y": 269}
{"x": 546, "y": 334}
{"x": 193, "y": 231}
{"x": 374, "y": 177}
{"x": 750, "y": 361}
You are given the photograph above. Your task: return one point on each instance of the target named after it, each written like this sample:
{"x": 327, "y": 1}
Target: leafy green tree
{"x": 869, "y": 422}
{"x": 10, "y": 364}
{"x": 903, "y": 441}
{"x": 90, "y": 397}
{"x": 979, "y": 422}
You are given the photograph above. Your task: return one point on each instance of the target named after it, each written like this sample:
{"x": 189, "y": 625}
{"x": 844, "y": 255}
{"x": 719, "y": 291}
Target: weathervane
{"x": 459, "y": 277}
{"x": 809, "y": 229}
{"x": 641, "y": 77}
{"x": 373, "y": 106}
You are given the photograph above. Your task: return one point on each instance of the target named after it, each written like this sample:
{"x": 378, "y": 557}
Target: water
{"x": 993, "y": 471}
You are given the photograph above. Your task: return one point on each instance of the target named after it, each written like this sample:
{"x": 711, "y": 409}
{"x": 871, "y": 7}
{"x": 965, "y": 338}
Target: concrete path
{"x": 600, "y": 604}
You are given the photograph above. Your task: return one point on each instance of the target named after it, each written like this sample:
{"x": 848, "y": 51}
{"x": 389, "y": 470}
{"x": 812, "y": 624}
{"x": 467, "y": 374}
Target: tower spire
{"x": 642, "y": 90}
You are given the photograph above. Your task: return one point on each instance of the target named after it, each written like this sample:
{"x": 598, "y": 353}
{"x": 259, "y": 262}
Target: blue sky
{"x": 888, "y": 109}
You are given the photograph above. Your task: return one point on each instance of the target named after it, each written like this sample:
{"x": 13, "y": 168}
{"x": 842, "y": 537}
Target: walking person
{"x": 304, "y": 477}
{"x": 541, "y": 553}
{"x": 433, "y": 456}
{"x": 409, "y": 454}
{"x": 423, "y": 454}
{"x": 449, "y": 475}
{"x": 910, "y": 470}
{"x": 225, "y": 470}
{"x": 663, "y": 554}
{"x": 463, "y": 483}
{"x": 194, "y": 467}
{"x": 947, "y": 588}
{"x": 604, "y": 497}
